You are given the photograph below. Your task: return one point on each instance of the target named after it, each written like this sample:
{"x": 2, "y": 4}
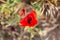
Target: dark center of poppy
{"x": 29, "y": 20}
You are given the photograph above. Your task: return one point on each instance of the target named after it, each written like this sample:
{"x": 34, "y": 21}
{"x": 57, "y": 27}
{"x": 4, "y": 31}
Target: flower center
{"x": 29, "y": 20}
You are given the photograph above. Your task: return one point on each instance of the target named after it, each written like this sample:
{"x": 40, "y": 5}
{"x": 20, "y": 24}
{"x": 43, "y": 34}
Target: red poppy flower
{"x": 30, "y": 20}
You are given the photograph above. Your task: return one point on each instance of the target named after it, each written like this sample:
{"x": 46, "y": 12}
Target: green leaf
{"x": 0, "y": 8}
{"x": 11, "y": 8}
{"x": 10, "y": 21}
{"x": 11, "y": 1}
{"x": 17, "y": 17}
{"x": 36, "y": 7}
{"x": 18, "y": 1}
{"x": 14, "y": 20}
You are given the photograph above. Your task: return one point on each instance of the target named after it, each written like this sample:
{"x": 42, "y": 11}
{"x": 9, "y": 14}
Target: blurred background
{"x": 48, "y": 16}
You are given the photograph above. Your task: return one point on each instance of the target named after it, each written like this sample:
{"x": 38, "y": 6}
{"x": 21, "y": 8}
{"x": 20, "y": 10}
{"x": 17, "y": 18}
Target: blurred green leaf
{"x": 17, "y": 17}
{"x": 0, "y": 8}
{"x": 14, "y": 19}
{"x": 36, "y": 7}
{"x": 30, "y": 30}
{"x": 11, "y": 8}
{"x": 10, "y": 21}
{"x": 10, "y": 1}
{"x": 18, "y": 1}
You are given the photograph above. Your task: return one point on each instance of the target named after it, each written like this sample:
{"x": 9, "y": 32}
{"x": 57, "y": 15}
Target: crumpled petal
{"x": 22, "y": 12}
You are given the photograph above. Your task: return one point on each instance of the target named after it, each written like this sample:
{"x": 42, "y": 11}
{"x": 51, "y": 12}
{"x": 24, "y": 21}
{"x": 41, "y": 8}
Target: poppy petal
{"x": 22, "y": 12}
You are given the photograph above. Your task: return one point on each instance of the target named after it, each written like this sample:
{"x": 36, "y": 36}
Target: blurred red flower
{"x": 21, "y": 12}
{"x": 30, "y": 20}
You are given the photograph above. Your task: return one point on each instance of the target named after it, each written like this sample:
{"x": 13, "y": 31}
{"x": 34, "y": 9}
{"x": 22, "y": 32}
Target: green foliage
{"x": 11, "y": 1}
{"x": 14, "y": 20}
{"x": 36, "y": 7}
{"x": 0, "y": 8}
